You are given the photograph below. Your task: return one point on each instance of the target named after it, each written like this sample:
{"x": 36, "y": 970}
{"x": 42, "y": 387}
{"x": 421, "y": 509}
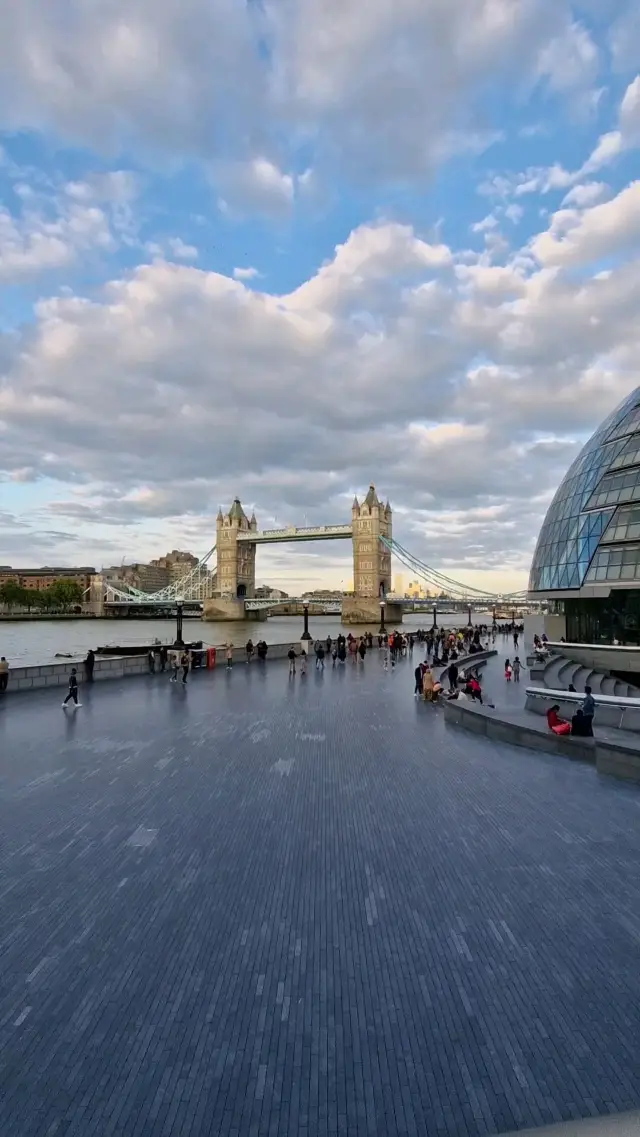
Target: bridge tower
{"x": 236, "y": 559}
{"x": 371, "y": 561}
{"x": 371, "y": 564}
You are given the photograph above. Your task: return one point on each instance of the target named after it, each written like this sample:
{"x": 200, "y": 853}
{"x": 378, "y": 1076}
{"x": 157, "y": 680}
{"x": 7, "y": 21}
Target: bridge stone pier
{"x": 237, "y": 538}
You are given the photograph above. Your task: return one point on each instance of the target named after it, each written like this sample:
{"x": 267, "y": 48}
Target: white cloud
{"x": 34, "y": 243}
{"x": 570, "y": 61}
{"x": 602, "y": 231}
{"x": 586, "y": 194}
{"x": 624, "y": 37}
{"x": 257, "y": 185}
{"x": 182, "y": 251}
{"x": 397, "y": 360}
{"x": 248, "y": 273}
{"x": 388, "y": 96}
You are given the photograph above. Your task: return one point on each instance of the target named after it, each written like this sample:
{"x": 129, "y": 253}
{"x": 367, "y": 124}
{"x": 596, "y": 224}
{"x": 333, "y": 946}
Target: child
{"x": 516, "y": 670}
{"x": 507, "y": 671}
{"x": 303, "y": 662}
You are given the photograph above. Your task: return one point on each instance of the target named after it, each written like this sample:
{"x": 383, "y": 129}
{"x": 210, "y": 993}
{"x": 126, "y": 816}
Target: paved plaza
{"x": 263, "y": 906}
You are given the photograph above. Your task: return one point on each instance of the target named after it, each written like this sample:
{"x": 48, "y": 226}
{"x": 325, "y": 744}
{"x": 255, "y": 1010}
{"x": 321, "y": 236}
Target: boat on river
{"x": 144, "y": 649}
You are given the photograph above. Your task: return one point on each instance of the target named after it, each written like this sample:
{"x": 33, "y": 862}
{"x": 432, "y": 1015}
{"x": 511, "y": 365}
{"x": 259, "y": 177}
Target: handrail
{"x": 561, "y": 646}
{"x": 578, "y": 697}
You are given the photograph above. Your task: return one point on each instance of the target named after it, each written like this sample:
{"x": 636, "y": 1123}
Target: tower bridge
{"x": 223, "y": 583}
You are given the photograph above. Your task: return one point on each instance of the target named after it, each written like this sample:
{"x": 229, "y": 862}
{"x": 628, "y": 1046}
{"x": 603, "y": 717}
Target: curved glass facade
{"x": 591, "y": 533}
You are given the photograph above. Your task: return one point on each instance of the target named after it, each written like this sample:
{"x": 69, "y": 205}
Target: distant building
{"x": 40, "y": 578}
{"x": 155, "y": 575}
{"x": 265, "y": 592}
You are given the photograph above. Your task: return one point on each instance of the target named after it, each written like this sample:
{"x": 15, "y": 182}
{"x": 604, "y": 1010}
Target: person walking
{"x": 292, "y": 660}
{"x": 507, "y": 670}
{"x": 249, "y": 650}
{"x": 417, "y": 691}
{"x": 163, "y": 658}
{"x": 73, "y": 689}
{"x": 515, "y": 639}
{"x": 362, "y": 649}
{"x": 516, "y": 669}
{"x": 89, "y": 665}
{"x": 229, "y": 655}
{"x": 152, "y": 661}
{"x": 303, "y": 662}
{"x": 320, "y": 657}
{"x": 184, "y": 663}
{"x": 174, "y": 667}
{"x": 4, "y": 674}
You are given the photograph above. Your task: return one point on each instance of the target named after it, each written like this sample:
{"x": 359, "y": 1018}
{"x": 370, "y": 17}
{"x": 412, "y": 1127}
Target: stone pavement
{"x": 272, "y": 907}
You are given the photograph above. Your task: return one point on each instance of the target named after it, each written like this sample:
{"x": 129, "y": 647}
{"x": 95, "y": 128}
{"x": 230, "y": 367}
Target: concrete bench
{"x": 614, "y": 753}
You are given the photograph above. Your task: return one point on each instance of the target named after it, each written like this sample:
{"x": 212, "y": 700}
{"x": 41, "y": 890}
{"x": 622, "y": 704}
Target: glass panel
{"x": 613, "y": 563}
{"x": 598, "y": 479}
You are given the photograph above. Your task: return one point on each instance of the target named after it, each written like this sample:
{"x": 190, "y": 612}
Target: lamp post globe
{"x": 306, "y": 635}
{"x": 179, "y": 607}
{"x": 383, "y": 629}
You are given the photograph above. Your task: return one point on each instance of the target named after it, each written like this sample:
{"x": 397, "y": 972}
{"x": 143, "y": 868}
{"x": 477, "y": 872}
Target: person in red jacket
{"x": 555, "y": 723}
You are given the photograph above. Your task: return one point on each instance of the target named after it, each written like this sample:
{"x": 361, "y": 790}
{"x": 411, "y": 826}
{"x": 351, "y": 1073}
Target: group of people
{"x": 581, "y": 725}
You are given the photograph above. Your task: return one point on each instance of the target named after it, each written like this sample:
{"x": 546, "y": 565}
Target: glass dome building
{"x": 587, "y": 558}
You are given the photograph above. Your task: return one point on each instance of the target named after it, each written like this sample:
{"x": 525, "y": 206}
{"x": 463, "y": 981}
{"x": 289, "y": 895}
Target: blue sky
{"x": 281, "y": 251}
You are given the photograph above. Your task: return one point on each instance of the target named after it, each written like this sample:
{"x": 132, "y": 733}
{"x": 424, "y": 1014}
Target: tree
{"x": 64, "y": 594}
{"x": 11, "y": 593}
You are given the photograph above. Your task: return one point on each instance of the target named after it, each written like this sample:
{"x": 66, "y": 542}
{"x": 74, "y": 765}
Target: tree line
{"x": 61, "y": 596}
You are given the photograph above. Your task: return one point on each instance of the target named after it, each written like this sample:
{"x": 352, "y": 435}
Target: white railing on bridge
{"x": 296, "y": 533}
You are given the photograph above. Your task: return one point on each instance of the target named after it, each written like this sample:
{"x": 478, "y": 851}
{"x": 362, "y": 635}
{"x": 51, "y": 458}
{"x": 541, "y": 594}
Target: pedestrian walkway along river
{"x": 262, "y": 904}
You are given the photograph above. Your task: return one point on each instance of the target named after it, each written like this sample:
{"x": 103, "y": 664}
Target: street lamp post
{"x": 383, "y": 630}
{"x": 435, "y": 616}
{"x": 494, "y": 614}
{"x": 306, "y": 635}
{"x": 179, "y": 606}
{"x": 469, "y": 615}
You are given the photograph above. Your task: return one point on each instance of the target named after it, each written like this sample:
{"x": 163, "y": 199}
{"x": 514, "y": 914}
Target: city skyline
{"x": 410, "y": 256}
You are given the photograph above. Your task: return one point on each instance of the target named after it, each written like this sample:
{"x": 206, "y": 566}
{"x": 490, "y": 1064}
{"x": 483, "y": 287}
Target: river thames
{"x": 32, "y": 642}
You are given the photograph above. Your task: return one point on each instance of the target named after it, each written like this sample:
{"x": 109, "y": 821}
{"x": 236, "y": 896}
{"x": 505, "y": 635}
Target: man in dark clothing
{"x": 452, "y": 672}
{"x": 588, "y": 709}
{"x": 580, "y": 726}
{"x": 73, "y": 689}
{"x": 418, "y": 673}
{"x": 152, "y": 661}
{"x": 164, "y": 655}
{"x": 89, "y": 664}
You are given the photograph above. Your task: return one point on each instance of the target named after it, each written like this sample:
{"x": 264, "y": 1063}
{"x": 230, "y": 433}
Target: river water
{"x": 31, "y": 642}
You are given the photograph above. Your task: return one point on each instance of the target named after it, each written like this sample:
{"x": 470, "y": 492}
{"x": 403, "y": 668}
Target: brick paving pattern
{"x": 265, "y": 907}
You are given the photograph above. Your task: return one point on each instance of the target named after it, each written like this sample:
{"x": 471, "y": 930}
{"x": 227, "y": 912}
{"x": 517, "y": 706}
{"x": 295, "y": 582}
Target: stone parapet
{"x": 365, "y": 611}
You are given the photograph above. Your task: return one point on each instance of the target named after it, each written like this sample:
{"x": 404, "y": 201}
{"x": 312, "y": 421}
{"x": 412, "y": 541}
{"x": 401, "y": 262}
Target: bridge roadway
{"x": 263, "y": 906}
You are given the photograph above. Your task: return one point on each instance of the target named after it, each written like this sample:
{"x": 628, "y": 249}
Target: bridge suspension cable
{"x": 432, "y": 576}
{"x": 196, "y": 585}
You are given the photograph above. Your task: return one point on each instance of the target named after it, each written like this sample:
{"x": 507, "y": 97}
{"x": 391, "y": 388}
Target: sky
{"x": 278, "y": 250}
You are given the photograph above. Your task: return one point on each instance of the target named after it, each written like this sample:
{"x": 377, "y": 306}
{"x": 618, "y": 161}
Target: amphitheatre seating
{"x": 476, "y": 661}
{"x": 612, "y": 751}
{"x": 559, "y": 671}
{"x": 616, "y": 711}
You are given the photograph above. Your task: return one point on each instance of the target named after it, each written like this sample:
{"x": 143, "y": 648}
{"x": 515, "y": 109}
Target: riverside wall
{"x": 117, "y": 667}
